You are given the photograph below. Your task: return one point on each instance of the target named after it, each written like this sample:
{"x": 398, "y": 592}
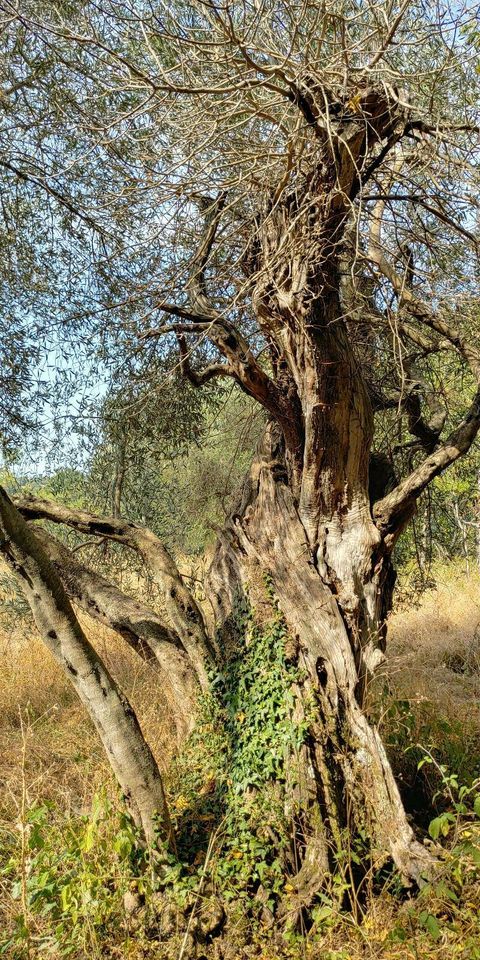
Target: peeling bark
{"x": 346, "y": 779}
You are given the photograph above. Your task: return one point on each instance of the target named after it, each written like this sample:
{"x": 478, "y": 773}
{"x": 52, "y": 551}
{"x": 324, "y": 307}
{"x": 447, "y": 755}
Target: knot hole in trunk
{"x": 322, "y": 672}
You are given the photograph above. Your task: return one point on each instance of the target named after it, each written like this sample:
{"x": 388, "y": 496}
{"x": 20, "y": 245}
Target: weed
{"x": 70, "y": 854}
{"x": 233, "y": 771}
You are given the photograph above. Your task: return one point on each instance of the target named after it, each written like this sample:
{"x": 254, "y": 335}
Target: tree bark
{"x": 141, "y": 627}
{"x": 346, "y": 783}
{"x": 131, "y": 759}
{"x": 184, "y": 613}
{"x": 305, "y": 517}
{"x": 306, "y": 520}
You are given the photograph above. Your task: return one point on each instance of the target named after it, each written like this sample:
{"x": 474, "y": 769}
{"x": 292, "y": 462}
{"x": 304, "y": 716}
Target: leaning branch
{"x": 129, "y": 754}
{"x": 392, "y": 513}
{"x": 395, "y": 509}
{"x": 181, "y": 607}
{"x": 137, "y": 623}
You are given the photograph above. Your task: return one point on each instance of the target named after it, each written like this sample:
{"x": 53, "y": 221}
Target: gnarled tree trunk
{"x": 306, "y": 517}
{"x": 333, "y": 594}
{"x": 306, "y": 520}
{"x": 315, "y": 135}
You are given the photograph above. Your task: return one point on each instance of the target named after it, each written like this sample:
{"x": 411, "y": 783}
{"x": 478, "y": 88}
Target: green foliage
{"x": 439, "y": 905}
{"x": 413, "y": 732}
{"x": 185, "y": 452}
{"x": 234, "y": 771}
{"x": 14, "y": 609}
{"x": 256, "y": 691}
{"x": 69, "y": 885}
{"x": 227, "y": 799}
{"x": 227, "y": 795}
{"x": 68, "y": 485}
{"x": 182, "y": 455}
{"x": 436, "y": 763}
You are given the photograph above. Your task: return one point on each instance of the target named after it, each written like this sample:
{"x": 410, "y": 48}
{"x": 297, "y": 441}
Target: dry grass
{"x": 64, "y": 762}
{"x": 443, "y": 631}
{"x": 434, "y": 663}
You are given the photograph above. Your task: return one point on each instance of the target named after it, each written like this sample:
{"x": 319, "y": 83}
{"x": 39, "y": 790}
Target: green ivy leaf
{"x": 430, "y": 924}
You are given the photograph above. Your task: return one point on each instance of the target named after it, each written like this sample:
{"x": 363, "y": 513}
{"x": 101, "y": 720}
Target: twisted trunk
{"x": 305, "y": 520}
{"x": 344, "y": 786}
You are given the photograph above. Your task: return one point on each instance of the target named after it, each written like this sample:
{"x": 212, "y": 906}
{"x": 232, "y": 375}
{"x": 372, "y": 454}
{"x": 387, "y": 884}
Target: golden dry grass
{"x": 64, "y": 762}
{"x": 433, "y": 656}
{"x": 423, "y": 639}
{"x": 65, "y": 758}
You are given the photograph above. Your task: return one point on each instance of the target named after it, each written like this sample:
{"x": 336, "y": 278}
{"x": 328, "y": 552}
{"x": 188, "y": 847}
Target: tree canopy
{"x": 144, "y": 147}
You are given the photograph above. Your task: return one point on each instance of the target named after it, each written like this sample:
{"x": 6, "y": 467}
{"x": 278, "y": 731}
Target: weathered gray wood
{"x": 142, "y": 628}
{"x": 184, "y": 613}
{"x": 117, "y": 726}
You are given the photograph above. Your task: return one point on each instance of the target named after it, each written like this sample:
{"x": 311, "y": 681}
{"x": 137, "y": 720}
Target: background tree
{"x": 287, "y": 194}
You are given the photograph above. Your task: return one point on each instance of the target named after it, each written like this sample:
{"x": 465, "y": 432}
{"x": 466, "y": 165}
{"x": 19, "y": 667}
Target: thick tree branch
{"x": 137, "y": 623}
{"x": 204, "y": 319}
{"x": 241, "y": 364}
{"x": 181, "y": 607}
{"x": 395, "y": 509}
{"x": 112, "y": 528}
{"x": 114, "y": 719}
{"x": 222, "y": 333}
{"x": 140, "y": 626}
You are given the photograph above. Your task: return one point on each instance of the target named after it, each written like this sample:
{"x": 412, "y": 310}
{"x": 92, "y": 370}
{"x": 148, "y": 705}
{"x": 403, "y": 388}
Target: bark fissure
{"x": 351, "y": 784}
